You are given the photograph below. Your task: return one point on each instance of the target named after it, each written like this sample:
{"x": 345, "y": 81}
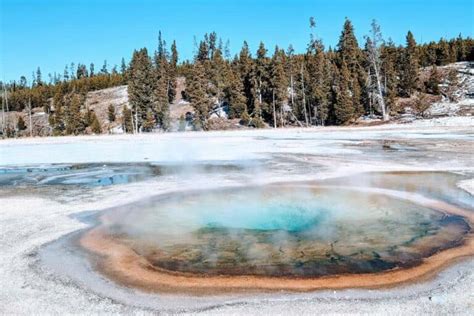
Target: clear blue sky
{"x": 52, "y": 33}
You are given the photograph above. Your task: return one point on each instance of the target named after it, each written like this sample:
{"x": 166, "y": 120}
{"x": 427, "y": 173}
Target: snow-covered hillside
{"x": 464, "y": 105}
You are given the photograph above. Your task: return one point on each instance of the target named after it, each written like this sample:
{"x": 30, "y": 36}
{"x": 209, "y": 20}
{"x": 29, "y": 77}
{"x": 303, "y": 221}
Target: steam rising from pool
{"x": 282, "y": 230}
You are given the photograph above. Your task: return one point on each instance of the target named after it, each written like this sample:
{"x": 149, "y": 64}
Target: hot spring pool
{"x": 282, "y": 230}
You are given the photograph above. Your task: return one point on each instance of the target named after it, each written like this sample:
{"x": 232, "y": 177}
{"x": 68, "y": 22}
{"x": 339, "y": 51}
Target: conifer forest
{"x": 271, "y": 87}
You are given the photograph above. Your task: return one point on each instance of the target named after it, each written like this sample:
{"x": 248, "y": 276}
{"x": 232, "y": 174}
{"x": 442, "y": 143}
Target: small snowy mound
{"x": 467, "y": 185}
{"x": 456, "y": 121}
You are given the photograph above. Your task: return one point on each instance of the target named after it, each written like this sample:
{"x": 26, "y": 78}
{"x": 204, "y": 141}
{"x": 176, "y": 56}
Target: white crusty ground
{"x": 27, "y": 222}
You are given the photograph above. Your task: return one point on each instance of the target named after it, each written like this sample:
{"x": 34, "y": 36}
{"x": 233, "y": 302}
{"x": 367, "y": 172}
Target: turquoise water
{"x": 273, "y": 215}
{"x": 75, "y": 174}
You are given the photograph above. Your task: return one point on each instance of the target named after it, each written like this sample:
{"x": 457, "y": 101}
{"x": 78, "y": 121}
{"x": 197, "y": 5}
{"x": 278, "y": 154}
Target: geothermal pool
{"x": 287, "y": 232}
{"x": 283, "y": 230}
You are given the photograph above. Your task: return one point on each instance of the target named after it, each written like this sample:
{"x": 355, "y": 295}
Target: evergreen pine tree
{"x": 74, "y": 123}
{"x": 111, "y": 113}
{"x": 141, "y": 85}
{"x": 344, "y": 107}
{"x": 104, "y": 70}
{"x": 279, "y": 85}
{"x": 461, "y": 49}
{"x": 260, "y": 82}
{"x": 409, "y": 75}
{"x": 432, "y": 84}
{"x": 234, "y": 93}
{"x": 95, "y": 125}
{"x": 160, "y": 99}
{"x": 149, "y": 123}
{"x": 39, "y": 80}
{"x": 350, "y": 53}
{"x": 318, "y": 83}
{"x": 161, "y": 92}
{"x": 91, "y": 70}
{"x": 245, "y": 118}
{"x": 452, "y": 84}
{"x": 245, "y": 69}
{"x": 196, "y": 89}
{"x": 173, "y": 73}
{"x": 123, "y": 67}
{"x": 56, "y": 120}
{"x": 217, "y": 76}
{"x": 87, "y": 118}
{"x": 66, "y": 73}
{"x": 443, "y": 53}
{"x": 20, "y": 125}
{"x": 389, "y": 59}
{"x": 127, "y": 120}
{"x": 72, "y": 71}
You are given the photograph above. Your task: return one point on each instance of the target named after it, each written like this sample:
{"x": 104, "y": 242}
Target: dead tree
{"x": 304, "y": 96}
{"x": 274, "y": 111}
{"x": 31, "y": 120}
{"x": 375, "y": 77}
{"x": 3, "y": 112}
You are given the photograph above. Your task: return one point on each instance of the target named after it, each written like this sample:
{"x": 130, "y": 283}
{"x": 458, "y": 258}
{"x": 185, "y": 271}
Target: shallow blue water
{"x": 83, "y": 174}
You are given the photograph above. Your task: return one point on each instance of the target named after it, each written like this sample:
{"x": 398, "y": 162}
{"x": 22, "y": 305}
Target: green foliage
{"x": 349, "y": 53}
{"x": 452, "y": 84}
{"x": 329, "y": 86}
{"x": 73, "y": 120}
{"x": 95, "y": 125}
{"x": 56, "y": 119}
{"x": 234, "y": 93}
{"x": 141, "y": 85}
{"x": 111, "y": 113}
{"x": 127, "y": 120}
{"x": 344, "y": 107}
{"x": 20, "y": 125}
{"x": 196, "y": 89}
{"x": 245, "y": 118}
{"x": 149, "y": 123}
{"x": 410, "y": 65}
{"x": 389, "y": 60}
{"x": 257, "y": 122}
{"x": 432, "y": 85}
{"x": 278, "y": 83}
{"x": 421, "y": 104}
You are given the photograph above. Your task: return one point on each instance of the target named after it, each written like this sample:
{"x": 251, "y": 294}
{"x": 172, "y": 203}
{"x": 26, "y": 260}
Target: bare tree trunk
{"x": 292, "y": 91}
{"x": 133, "y": 123}
{"x": 5, "y": 118}
{"x": 304, "y": 97}
{"x": 281, "y": 117}
{"x": 6, "y": 101}
{"x": 274, "y": 111}
{"x": 296, "y": 119}
{"x": 380, "y": 94}
{"x": 31, "y": 121}
{"x": 136, "y": 121}
{"x": 374, "y": 58}
{"x": 3, "y": 112}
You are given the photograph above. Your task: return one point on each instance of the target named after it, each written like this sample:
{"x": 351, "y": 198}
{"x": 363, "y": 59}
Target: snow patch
{"x": 467, "y": 185}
